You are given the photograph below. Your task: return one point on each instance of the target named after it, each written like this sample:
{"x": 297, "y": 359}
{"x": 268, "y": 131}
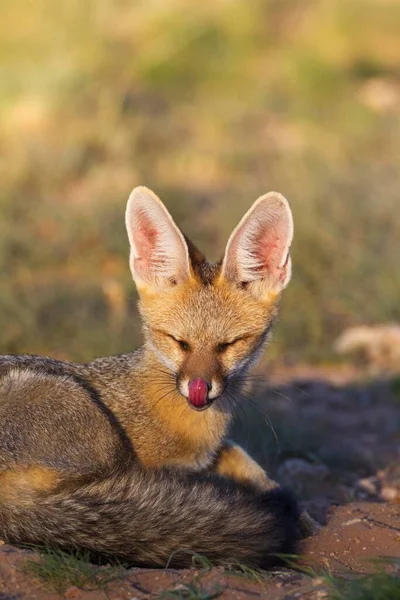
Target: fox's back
{"x": 52, "y": 415}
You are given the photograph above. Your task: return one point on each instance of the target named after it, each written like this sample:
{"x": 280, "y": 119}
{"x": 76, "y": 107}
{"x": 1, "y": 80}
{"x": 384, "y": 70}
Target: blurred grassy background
{"x": 211, "y": 104}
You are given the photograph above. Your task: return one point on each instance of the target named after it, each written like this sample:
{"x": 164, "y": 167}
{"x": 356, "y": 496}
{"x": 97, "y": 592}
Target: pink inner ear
{"x": 269, "y": 249}
{"x": 258, "y": 248}
{"x": 146, "y": 235}
{"x": 145, "y": 241}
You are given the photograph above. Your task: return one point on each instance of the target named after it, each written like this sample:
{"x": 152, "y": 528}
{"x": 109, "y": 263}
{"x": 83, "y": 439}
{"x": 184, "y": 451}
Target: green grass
{"x": 243, "y": 571}
{"x": 381, "y": 586}
{"x": 211, "y": 107}
{"x": 194, "y": 589}
{"x": 197, "y": 590}
{"x": 58, "y": 570}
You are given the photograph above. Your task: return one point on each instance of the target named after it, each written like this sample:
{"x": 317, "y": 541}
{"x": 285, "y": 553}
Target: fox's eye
{"x": 183, "y": 345}
{"x": 222, "y": 347}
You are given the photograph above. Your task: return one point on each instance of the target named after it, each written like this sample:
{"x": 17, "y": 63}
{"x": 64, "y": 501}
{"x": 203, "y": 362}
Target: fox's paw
{"x": 308, "y": 526}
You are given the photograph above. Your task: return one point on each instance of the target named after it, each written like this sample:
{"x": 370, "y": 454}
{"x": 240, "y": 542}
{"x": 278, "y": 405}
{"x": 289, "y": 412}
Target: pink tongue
{"x": 198, "y": 392}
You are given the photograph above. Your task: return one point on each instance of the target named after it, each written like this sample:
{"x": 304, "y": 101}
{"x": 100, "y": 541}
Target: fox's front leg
{"x": 235, "y": 463}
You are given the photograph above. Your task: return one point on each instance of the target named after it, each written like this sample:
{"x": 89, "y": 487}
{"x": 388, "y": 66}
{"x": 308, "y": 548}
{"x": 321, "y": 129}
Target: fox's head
{"x": 206, "y": 323}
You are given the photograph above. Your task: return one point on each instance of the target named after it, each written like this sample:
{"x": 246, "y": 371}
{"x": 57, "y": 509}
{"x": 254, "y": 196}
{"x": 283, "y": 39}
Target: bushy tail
{"x": 145, "y": 517}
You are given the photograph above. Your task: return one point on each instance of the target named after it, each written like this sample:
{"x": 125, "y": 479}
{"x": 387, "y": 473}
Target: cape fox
{"x": 126, "y": 456}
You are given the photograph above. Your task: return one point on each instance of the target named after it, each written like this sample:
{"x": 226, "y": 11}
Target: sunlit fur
{"x": 208, "y": 321}
{"x": 222, "y": 324}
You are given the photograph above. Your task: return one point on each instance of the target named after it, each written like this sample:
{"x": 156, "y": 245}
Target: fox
{"x": 128, "y": 456}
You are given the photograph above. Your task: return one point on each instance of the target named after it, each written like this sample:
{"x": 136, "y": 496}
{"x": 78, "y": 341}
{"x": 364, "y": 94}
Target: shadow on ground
{"x": 334, "y": 443}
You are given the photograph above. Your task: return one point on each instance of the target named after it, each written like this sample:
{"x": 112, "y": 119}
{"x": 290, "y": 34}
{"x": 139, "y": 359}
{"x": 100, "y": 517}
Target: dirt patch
{"x": 355, "y": 536}
{"x": 152, "y": 583}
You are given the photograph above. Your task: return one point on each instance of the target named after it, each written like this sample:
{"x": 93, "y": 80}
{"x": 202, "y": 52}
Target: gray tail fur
{"x": 147, "y": 518}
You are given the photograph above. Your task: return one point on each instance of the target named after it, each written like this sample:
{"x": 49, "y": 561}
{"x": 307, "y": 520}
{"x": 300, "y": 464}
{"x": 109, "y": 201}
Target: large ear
{"x": 257, "y": 254}
{"x": 159, "y": 254}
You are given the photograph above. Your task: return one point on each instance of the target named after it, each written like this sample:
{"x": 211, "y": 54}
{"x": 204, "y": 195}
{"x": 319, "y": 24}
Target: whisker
{"x": 247, "y": 398}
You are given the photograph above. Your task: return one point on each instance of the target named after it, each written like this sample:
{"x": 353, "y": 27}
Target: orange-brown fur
{"x": 21, "y": 484}
{"x": 180, "y": 312}
{"x": 233, "y": 462}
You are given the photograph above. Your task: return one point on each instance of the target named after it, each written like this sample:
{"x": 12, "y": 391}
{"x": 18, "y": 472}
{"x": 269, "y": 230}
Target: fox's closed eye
{"x": 182, "y": 344}
{"x": 225, "y": 345}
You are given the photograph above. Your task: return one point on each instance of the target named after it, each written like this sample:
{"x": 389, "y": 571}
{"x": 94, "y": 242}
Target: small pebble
{"x": 369, "y": 485}
{"x": 351, "y": 522}
{"x": 388, "y": 494}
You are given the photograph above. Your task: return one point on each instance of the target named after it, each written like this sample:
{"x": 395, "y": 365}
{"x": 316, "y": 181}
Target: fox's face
{"x": 207, "y": 323}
